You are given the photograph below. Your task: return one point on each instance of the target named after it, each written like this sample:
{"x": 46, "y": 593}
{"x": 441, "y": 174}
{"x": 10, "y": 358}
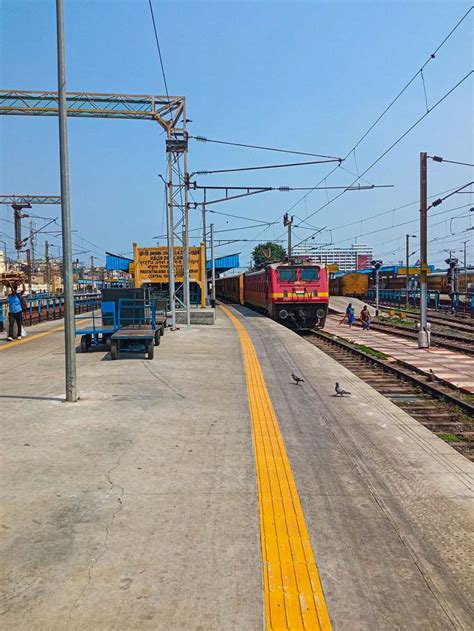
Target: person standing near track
{"x": 15, "y": 310}
{"x": 365, "y": 318}
{"x": 350, "y": 314}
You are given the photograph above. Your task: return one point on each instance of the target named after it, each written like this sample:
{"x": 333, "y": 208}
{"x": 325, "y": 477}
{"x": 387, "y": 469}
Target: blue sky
{"x": 310, "y": 76}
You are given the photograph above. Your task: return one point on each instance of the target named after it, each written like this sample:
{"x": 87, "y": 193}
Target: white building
{"x": 358, "y": 256}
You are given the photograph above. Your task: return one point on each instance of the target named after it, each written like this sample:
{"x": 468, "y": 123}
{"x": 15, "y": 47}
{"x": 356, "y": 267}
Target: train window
{"x": 309, "y": 273}
{"x": 286, "y": 274}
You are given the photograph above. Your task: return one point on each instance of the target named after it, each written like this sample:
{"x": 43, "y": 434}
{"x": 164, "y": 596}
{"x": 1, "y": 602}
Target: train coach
{"x": 353, "y": 284}
{"x": 293, "y": 292}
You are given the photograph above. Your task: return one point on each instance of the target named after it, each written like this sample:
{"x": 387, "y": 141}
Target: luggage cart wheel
{"x": 114, "y": 349}
{"x": 157, "y": 337}
{"x": 151, "y": 349}
{"x": 84, "y": 344}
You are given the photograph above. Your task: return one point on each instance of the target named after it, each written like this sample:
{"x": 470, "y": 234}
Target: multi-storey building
{"x": 358, "y": 256}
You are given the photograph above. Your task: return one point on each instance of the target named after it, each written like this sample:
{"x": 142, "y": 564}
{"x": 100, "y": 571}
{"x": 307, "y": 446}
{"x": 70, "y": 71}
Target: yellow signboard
{"x": 412, "y": 271}
{"x": 333, "y": 267}
{"x": 151, "y": 265}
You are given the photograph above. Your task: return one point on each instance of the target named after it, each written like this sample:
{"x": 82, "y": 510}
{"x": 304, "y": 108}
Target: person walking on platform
{"x": 350, "y": 314}
{"x": 16, "y": 303}
{"x": 365, "y": 318}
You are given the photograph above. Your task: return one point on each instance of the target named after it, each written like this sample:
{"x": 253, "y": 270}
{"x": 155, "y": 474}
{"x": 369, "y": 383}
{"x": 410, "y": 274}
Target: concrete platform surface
{"x": 137, "y": 507}
{"x": 389, "y": 506}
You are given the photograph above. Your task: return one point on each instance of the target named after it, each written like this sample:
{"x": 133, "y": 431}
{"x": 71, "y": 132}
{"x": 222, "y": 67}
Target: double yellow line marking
{"x": 293, "y": 593}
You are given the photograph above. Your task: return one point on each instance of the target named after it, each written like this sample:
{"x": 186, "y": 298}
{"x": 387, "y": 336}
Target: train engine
{"x": 293, "y": 292}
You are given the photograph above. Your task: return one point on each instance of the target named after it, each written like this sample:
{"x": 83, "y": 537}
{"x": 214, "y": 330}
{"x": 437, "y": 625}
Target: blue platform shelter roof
{"x": 225, "y": 263}
{"x": 115, "y": 262}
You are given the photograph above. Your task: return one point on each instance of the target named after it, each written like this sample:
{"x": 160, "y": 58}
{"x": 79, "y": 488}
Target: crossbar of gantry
{"x": 169, "y": 112}
{"x": 30, "y": 199}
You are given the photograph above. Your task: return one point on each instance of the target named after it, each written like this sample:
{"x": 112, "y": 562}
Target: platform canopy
{"x": 114, "y": 262}
{"x": 225, "y": 263}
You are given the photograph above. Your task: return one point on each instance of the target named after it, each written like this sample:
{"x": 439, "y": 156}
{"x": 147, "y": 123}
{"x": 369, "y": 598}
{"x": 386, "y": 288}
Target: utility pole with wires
{"x": 213, "y": 269}
{"x": 68, "y": 287}
{"x": 408, "y": 267}
{"x": 32, "y": 242}
{"x": 28, "y": 266}
{"x": 288, "y": 222}
{"x": 47, "y": 266}
{"x": 465, "y": 266}
{"x": 423, "y": 334}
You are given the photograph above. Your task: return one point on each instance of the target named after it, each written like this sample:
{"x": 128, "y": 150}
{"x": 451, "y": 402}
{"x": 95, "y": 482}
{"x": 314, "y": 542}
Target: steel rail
{"x": 429, "y": 388}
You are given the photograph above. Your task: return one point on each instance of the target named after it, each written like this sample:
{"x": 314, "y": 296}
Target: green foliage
{"x": 450, "y": 438}
{"x": 371, "y": 351}
{"x": 268, "y": 252}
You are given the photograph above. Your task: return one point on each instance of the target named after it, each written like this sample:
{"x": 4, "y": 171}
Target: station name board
{"x": 151, "y": 264}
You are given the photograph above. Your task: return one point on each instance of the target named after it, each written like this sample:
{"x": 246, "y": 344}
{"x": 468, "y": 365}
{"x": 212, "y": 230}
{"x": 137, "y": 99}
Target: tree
{"x": 268, "y": 251}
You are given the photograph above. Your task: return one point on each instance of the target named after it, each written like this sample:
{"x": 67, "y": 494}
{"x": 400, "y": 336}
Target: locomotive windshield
{"x": 287, "y": 274}
{"x": 310, "y": 273}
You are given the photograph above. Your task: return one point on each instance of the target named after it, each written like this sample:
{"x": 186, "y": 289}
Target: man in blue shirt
{"x": 15, "y": 311}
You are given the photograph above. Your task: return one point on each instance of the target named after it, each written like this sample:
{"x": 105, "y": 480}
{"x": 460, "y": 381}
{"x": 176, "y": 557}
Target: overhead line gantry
{"x": 168, "y": 112}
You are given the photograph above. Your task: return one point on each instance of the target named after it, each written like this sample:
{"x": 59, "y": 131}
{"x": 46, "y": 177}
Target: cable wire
{"x": 263, "y": 148}
{"x": 159, "y": 49}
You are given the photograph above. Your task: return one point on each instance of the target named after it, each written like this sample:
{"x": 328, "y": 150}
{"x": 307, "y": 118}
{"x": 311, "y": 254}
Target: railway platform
{"x": 206, "y": 490}
{"x": 453, "y": 368}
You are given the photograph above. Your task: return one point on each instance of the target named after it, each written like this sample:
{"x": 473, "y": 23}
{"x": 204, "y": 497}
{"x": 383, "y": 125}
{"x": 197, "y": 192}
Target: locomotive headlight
{"x": 320, "y": 313}
{"x": 283, "y": 314}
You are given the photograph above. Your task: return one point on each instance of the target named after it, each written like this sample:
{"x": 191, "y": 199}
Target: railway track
{"x": 448, "y": 415}
{"x": 463, "y": 343}
{"x": 462, "y": 322}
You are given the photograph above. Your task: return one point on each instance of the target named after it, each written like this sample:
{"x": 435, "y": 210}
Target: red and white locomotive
{"x": 293, "y": 292}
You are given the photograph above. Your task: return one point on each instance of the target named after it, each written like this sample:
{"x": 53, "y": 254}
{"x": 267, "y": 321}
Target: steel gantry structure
{"x": 168, "y": 112}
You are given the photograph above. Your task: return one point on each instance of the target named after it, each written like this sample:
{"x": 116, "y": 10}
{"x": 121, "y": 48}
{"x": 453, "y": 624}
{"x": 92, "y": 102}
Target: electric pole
{"x": 213, "y": 269}
{"x": 69, "y": 324}
{"x": 465, "y": 267}
{"x": 408, "y": 266}
{"x": 204, "y": 238}
{"x": 288, "y": 222}
{"x": 376, "y": 265}
{"x": 423, "y": 337}
{"x": 28, "y": 265}
{"x": 48, "y": 271}
{"x": 32, "y": 241}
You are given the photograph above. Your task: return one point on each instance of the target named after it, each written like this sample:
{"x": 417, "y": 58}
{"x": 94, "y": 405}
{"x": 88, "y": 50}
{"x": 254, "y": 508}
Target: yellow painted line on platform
{"x": 29, "y": 338}
{"x": 293, "y": 593}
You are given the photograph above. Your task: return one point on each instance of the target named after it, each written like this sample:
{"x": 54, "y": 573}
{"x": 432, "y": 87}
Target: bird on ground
{"x": 297, "y": 379}
{"x": 340, "y": 392}
{"x": 432, "y": 376}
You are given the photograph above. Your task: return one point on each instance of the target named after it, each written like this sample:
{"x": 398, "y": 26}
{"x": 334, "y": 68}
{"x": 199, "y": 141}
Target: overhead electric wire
{"x": 267, "y": 166}
{"x": 259, "y": 221}
{"x": 432, "y": 56}
{"x": 263, "y": 148}
{"x": 404, "y": 223}
{"x": 157, "y": 39}
{"x": 407, "y": 85}
{"x": 396, "y": 209}
{"x": 395, "y": 143}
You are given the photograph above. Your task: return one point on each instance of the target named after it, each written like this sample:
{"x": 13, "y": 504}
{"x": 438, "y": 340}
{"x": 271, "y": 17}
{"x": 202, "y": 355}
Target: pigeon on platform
{"x": 340, "y": 392}
{"x": 432, "y": 376}
{"x": 297, "y": 379}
